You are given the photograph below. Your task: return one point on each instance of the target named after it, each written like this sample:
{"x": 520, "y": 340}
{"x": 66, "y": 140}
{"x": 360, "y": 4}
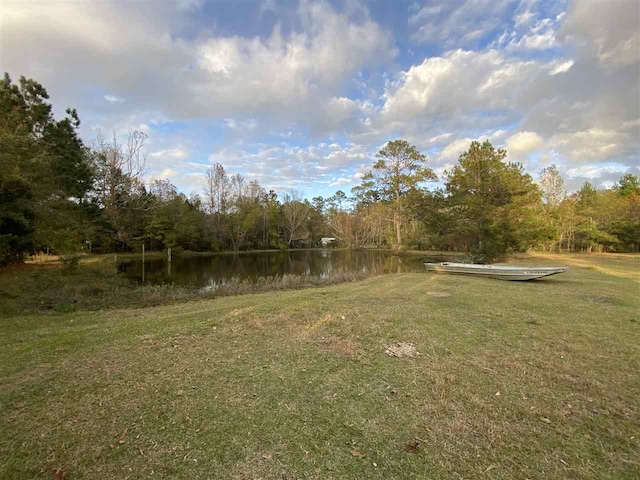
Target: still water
{"x": 213, "y": 270}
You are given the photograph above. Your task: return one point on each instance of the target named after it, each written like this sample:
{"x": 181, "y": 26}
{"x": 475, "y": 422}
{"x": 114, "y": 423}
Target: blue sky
{"x": 300, "y": 94}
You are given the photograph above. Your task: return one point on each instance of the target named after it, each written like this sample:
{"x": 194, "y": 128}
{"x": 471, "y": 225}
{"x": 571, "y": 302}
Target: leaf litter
{"x": 412, "y": 447}
{"x": 401, "y": 350}
{"x": 358, "y": 453}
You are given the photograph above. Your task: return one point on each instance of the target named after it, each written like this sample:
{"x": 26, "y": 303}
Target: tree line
{"x": 62, "y": 196}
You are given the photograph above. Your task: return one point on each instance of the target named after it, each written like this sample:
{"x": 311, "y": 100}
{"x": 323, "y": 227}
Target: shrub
{"x": 70, "y": 264}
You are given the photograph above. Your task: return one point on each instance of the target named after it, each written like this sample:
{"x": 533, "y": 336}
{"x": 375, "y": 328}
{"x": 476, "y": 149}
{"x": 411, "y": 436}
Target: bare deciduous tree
{"x": 237, "y": 188}
{"x": 295, "y": 214}
{"x": 119, "y": 167}
{"x": 216, "y": 189}
{"x": 118, "y": 183}
{"x": 552, "y": 185}
{"x": 352, "y": 228}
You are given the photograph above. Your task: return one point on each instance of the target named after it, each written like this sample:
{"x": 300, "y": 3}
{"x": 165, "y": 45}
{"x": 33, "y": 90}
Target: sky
{"x": 302, "y": 94}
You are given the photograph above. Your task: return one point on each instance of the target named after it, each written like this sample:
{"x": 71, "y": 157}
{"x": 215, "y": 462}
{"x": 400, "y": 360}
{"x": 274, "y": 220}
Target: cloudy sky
{"x": 301, "y": 94}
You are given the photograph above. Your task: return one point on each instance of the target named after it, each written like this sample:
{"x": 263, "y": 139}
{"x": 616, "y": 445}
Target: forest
{"x": 60, "y": 195}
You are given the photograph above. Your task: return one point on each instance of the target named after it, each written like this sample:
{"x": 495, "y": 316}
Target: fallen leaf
{"x": 357, "y": 453}
{"x": 61, "y": 474}
{"x": 123, "y": 437}
{"x": 412, "y": 447}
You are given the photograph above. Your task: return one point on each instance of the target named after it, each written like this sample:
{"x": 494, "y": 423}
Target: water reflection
{"x": 212, "y": 271}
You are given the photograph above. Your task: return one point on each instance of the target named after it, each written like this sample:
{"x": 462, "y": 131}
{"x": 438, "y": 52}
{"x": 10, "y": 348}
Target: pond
{"x": 211, "y": 271}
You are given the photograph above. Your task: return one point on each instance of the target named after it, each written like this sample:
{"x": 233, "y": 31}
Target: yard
{"x": 532, "y": 380}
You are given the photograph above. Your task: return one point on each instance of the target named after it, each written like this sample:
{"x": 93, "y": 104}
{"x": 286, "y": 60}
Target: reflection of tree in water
{"x": 299, "y": 263}
{"x": 215, "y": 270}
{"x": 237, "y": 266}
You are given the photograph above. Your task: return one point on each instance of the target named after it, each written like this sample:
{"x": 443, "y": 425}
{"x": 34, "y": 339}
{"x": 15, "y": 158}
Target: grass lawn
{"x": 514, "y": 380}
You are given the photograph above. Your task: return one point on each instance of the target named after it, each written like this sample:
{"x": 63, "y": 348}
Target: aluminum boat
{"x": 502, "y": 272}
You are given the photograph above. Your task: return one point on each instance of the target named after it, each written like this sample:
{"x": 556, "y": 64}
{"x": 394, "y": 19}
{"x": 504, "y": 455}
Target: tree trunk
{"x": 398, "y": 219}
{"x": 398, "y": 224}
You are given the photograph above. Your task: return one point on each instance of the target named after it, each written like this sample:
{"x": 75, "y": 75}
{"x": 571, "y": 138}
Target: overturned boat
{"x": 502, "y": 272}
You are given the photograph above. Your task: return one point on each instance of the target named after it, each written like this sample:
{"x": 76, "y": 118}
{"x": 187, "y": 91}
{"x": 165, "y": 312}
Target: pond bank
{"x": 96, "y": 284}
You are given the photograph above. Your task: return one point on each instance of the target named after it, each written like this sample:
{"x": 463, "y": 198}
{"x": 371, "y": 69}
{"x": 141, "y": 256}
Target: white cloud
{"x": 524, "y": 19}
{"x": 538, "y": 41}
{"x": 562, "y": 86}
{"x": 167, "y": 173}
{"x": 457, "y": 82}
{"x": 170, "y": 159}
{"x": 341, "y": 181}
{"x": 286, "y": 166}
{"x": 453, "y": 150}
{"x": 174, "y": 153}
{"x": 594, "y": 144}
{"x": 294, "y": 76}
{"x": 440, "y": 138}
{"x": 609, "y": 30}
{"x": 192, "y": 182}
{"x": 522, "y": 144}
{"x": 446, "y": 156}
{"x": 244, "y": 125}
{"x": 559, "y": 115}
{"x": 561, "y": 67}
{"x": 113, "y": 99}
{"x": 456, "y": 23}
{"x": 239, "y": 74}
{"x": 592, "y": 172}
{"x": 528, "y": 35}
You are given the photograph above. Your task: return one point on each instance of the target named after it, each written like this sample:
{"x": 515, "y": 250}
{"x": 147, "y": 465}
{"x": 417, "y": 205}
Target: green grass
{"x": 531, "y": 380}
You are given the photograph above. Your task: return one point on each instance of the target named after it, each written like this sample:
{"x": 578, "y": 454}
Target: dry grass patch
{"x": 346, "y": 348}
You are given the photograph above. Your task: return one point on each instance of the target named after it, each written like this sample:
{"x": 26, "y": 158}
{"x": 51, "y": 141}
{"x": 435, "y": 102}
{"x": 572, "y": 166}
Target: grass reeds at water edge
{"x": 95, "y": 284}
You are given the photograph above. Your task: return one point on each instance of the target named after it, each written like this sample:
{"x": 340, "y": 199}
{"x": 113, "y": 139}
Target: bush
{"x": 70, "y": 264}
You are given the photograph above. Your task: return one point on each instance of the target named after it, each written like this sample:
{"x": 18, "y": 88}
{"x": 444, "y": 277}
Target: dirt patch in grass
{"x": 344, "y": 347}
{"x": 607, "y": 300}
